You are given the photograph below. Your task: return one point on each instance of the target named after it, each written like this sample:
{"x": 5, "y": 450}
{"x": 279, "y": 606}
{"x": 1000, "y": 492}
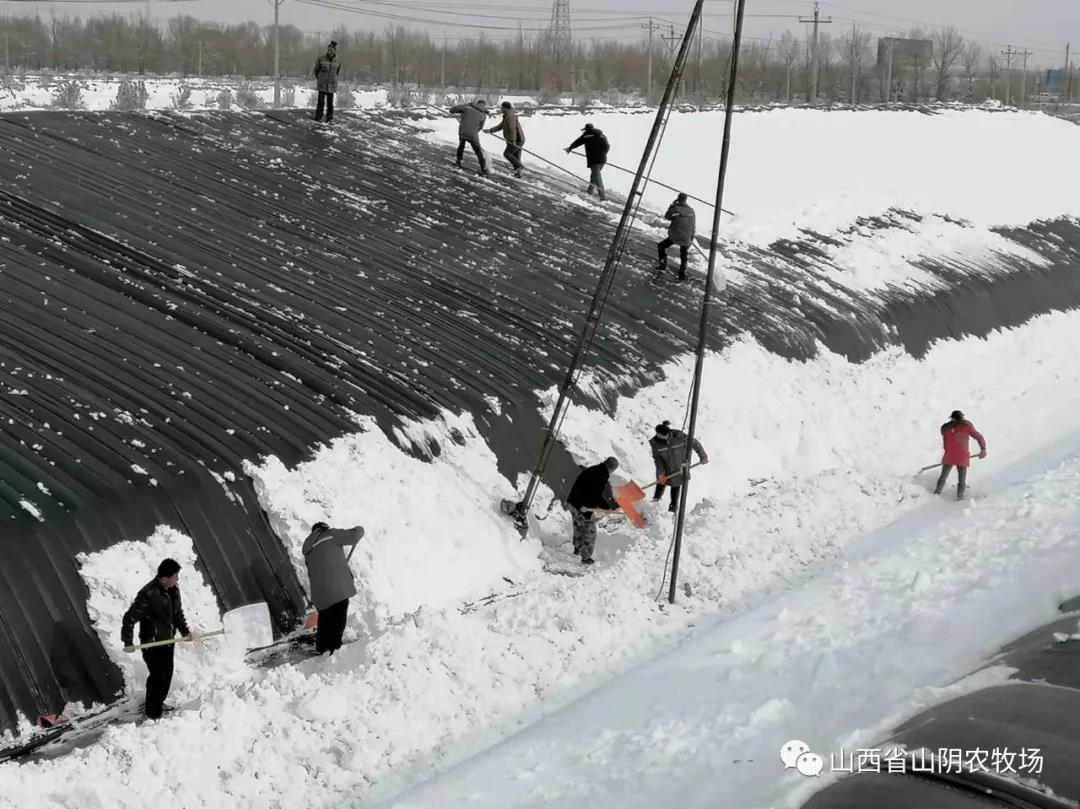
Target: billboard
{"x": 904, "y": 51}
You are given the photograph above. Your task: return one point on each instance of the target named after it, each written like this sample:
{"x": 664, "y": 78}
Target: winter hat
{"x": 682, "y": 197}
{"x": 168, "y": 568}
{"x": 663, "y": 429}
{"x": 506, "y": 105}
{"x": 957, "y": 416}
{"x": 587, "y": 127}
{"x": 333, "y": 44}
{"x": 612, "y": 464}
{"x": 320, "y": 526}
{"x": 481, "y": 103}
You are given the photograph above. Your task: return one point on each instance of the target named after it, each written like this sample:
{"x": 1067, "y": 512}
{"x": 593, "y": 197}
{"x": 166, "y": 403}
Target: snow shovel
{"x": 243, "y": 628}
{"x": 630, "y": 493}
{"x": 939, "y": 465}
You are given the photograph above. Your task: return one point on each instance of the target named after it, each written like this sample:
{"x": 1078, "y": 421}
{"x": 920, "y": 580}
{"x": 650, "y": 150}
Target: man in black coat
{"x": 596, "y": 151}
{"x": 160, "y": 615}
{"x": 591, "y": 490}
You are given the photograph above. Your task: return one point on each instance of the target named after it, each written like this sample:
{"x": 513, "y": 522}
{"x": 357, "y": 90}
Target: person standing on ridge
{"x": 591, "y": 491}
{"x": 680, "y": 232}
{"x": 596, "y": 151}
{"x": 327, "y": 70}
{"x": 955, "y": 435}
{"x": 513, "y": 134}
{"x": 472, "y": 120}
{"x": 671, "y": 451}
{"x": 158, "y": 612}
{"x": 331, "y": 580}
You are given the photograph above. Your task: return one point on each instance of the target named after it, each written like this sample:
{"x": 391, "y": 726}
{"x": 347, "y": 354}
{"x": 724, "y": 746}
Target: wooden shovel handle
{"x": 156, "y": 643}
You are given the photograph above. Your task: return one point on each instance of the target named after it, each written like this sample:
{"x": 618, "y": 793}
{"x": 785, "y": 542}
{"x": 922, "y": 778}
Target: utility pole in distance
{"x": 816, "y": 20}
{"x": 277, "y": 51}
{"x": 1023, "y": 77}
{"x": 1008, "y": 53}
{"x": 652, "y": 27}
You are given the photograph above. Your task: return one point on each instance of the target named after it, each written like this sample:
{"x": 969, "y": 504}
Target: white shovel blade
{"x": 248, "y": 626}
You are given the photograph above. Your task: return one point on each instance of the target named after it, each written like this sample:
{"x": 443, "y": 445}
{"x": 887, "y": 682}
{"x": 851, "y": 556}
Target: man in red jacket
{"x": 955, "y": 434}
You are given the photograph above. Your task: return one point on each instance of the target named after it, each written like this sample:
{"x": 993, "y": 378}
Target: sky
{"x": 1041, "y": 26}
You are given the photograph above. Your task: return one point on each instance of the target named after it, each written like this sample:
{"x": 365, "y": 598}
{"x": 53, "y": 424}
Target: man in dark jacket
{"x": 513, "y": 134}
{"x": 591, "y": 491}
{"x": 327, "y": 70}
{"x": 680, "y": 232}
{"x": 596, "y": 151}
{"x": 472, "y": 120}
{"x": 331, "y": 580}
{"x": 671, "y": 452}
{"x": 160, "y": 615}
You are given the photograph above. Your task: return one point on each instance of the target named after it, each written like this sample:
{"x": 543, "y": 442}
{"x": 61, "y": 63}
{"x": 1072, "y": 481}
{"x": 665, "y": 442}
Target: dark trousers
{"x": 159, "y": 664}
{"x": 473, "y": 141}
{"x": 331, "y": 627}
{"x": 596, "y": 179}
{"x": 961, "y": 479}
{"x": 675, "y": 491}
{"x": 326, "y": 101}
{"x": 513, "y": 154}
{"x": 684, "y": 251}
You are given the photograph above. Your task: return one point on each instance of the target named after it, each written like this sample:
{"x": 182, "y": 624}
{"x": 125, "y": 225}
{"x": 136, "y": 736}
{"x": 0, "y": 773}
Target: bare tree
{"x": 948, "y": 46}
{"x": 855, "y": 53}
{"x": 970, "y": 59}
{"x": 790, "y": 49}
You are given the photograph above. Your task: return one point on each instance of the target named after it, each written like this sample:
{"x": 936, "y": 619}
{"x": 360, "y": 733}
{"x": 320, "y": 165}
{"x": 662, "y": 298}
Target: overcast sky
{"x": 1042, "y": 26}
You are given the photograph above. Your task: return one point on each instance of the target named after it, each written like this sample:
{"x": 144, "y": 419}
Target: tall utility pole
{"x": 442, "y": 72}
{"x": 7, "y": 53}
{"x": 277, "y": 51}
{"x": 1023, "y": 77}
{"x": 652, "y": 28}
{"x": 1068, "y": 74}
{"x": 1008, "y": 53}
{"x": 198, "y": 65}
{"x": 560, "y": 36}
{"x": 816, "y": 20}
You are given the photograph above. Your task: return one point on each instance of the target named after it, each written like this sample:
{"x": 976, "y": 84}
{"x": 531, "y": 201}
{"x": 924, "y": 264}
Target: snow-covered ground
{"x": 794, "y": 169}
{"x": 810, "y": 462}
{"x": 836, "y": 664}
{"x": 835, "y": 445}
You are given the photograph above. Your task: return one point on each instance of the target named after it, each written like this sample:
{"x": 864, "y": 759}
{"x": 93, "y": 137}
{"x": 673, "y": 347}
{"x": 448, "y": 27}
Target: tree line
{"x": 951, "y": 68}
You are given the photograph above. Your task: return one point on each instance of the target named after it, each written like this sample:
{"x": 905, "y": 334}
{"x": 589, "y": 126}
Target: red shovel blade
{"x": 626, "y": 495}
{"x": 312, "y": 620}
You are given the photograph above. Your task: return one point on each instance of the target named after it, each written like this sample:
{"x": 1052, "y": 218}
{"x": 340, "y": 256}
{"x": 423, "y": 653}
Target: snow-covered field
{"x": 794, "y": 169}
{"x": 818, "y": 570}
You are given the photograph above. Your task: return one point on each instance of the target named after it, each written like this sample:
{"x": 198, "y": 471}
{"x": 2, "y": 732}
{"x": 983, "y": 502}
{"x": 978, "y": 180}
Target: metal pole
{"x": 648, "y": 97}
{"x": 607, "y": 275}
{"x": 703, "y": 328}
{"x": 277, "y": 52}
{"x": 1068, "y": 74}
{"x": 813, "y": 59}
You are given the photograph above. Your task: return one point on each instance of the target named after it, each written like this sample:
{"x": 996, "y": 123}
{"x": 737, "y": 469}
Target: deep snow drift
{"x": 806, "y": 458}
{"x": 835, "y": 443}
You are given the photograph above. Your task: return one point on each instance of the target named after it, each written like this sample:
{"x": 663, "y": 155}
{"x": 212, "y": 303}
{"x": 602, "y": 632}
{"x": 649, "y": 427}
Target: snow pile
{"x": 798, "y": 169}
{"x": 115, "y": 575}
{"x": 846, "y": 657}
{"x": 836, "y": 445}
{"x": 433, "y": 536}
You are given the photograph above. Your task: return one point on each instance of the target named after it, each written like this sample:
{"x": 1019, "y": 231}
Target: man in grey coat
{"x": 327, "y": 70}
{"x": 472, "y": 120}
{"x": 680, "y": 232}
{"x": 331, "y": 580}
{"x": 671, "y": 451}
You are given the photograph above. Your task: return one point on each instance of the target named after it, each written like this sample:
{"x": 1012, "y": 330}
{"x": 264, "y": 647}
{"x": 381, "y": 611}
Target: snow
{"x": 847, "y": 657}
{"x": 99, "y": 92}
{"x": 795, "y": 169}
{"x": 427, "y": 686}
{"x": 819, "y": 576}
